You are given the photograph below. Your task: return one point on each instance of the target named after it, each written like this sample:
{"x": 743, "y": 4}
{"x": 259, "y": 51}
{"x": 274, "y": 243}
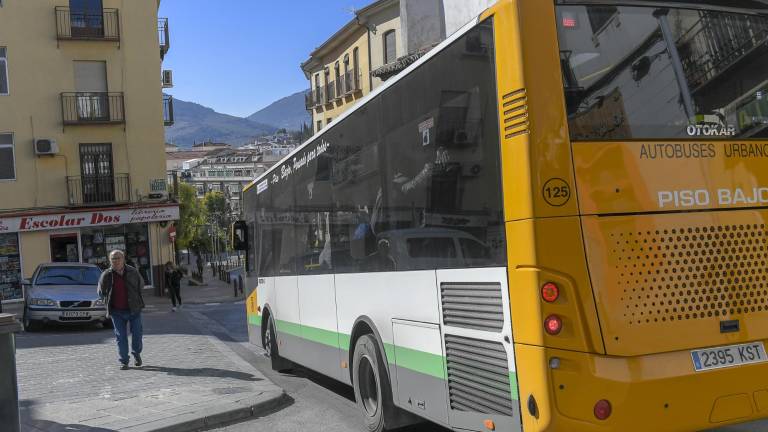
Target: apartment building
{"x": 380, "y": 41}
{"x": 82, "y": 116}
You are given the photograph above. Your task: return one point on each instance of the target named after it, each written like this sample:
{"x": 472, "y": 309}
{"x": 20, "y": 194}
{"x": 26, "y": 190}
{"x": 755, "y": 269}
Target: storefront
{"x": 27, "y": 240}
{"x": 10, "y": 266}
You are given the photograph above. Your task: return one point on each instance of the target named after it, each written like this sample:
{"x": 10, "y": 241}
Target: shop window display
{"x": 10, "y": 267}
{"x": 132, "y": 239}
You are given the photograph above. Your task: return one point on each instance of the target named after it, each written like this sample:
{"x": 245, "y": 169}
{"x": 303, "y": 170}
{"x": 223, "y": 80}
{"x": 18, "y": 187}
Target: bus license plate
{"x": 73, "y": 314}
{"x": 734, "y": 355}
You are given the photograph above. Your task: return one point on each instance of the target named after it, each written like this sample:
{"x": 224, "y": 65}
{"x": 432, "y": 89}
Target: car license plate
{"x": 75, "y": 314}
{"x": 728, "y": 356}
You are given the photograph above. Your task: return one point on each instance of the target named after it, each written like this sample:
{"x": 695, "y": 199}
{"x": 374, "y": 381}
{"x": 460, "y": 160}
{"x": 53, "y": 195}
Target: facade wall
{"x": 358, "y": 39}
{"x": 460, "y": 12}
{"x": 380, "y": 24}
{"x": 40, "y": 69}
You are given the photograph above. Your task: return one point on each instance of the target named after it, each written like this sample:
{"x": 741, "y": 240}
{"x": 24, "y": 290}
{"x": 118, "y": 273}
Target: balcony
{"x": 87, "y": 26}
{"x": 168, "y": 118}
{"x": 315, "y": 97}
{"x": 92, "y": 108}
{"x": 350, "y": 83}
{"x": 330, "y": 92}
{"x": 98, "y": 190}
{"x": 164, "y": 36}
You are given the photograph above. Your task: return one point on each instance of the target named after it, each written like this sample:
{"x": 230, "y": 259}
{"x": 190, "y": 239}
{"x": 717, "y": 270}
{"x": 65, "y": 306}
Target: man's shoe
{"x": 124, "y": 366}
{"x": 173, "y": 309}
{"x": 138, "y": 362}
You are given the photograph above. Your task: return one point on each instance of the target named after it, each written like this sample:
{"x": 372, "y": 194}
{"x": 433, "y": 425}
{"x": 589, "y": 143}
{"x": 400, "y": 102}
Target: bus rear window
{"x": 663, "y": 73}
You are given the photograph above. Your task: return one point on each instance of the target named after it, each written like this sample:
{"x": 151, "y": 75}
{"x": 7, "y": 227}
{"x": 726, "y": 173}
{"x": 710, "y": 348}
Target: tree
{"x": 217, "y": 211}
{"x": 190, "y": 232}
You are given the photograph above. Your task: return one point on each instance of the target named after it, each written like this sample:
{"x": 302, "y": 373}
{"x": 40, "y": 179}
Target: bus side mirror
{"x": 240, "y": 236}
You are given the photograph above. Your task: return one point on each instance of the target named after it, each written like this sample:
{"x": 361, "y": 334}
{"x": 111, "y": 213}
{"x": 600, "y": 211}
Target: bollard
{"x": 9, "y": 391}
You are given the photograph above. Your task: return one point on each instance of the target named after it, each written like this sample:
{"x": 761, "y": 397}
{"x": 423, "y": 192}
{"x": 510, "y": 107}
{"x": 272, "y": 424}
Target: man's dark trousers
{"x": 121, "y": 319}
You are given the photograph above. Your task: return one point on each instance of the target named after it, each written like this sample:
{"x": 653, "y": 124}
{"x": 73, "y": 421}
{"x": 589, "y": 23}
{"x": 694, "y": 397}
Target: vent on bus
{"x": 515, "y": 109}
{"x": 478, "y": 376}
{"x": 692, "y": 272}
{"x": 473, "y": 305}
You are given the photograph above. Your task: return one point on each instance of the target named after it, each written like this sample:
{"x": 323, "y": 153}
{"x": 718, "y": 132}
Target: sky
{"x": 238, "y": 56}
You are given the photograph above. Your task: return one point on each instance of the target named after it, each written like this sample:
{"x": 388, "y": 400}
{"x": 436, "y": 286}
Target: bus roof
{"x": 371, "y": 96}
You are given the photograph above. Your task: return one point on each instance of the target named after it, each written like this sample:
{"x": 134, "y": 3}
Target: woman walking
{"x": 173, "y": 282}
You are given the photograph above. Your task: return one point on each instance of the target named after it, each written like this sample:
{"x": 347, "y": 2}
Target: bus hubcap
{"x": 268, "y": 340}
{"x": 368, "y": 389}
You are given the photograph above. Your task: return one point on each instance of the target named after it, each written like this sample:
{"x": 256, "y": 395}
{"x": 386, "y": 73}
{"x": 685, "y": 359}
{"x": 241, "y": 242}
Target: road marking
{"x": 212, "y": 304}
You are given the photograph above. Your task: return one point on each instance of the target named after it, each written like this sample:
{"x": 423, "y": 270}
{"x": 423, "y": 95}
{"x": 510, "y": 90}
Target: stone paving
{"x": 69, "y": 378}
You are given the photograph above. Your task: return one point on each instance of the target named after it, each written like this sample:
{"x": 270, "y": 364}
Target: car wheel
{"x": 29, "y": 324}
{"x": 373, "y": 392}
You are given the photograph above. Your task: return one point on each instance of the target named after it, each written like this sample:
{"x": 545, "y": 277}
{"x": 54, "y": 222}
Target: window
{"x": 356, "y": 67}
{"x": 600, "y": 15}
{"x": 319, "y": 126}
{"x": 390, "y": 47}
{"x": 7, "y": 165}
{"x": 337, "y": 70}
{"x": 328, "y": 121}
{"x": 4, "y": 90}
{"x": 98, "y": 182}
{"x": 629, "y": 86}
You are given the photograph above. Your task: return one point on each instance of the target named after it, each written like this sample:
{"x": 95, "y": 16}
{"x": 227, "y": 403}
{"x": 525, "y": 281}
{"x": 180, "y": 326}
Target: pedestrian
{"x": 173, "y": 282}
{"x": 200, "y": 266}
{"x": 120, "y": 287}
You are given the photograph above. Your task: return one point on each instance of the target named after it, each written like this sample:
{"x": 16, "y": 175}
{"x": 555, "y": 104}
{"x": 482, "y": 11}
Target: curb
{"x": 195, "y": 423}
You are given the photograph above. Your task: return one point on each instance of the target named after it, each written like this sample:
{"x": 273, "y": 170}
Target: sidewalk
{"x": 69, "y": 378}
{"x": 212, "y": 291}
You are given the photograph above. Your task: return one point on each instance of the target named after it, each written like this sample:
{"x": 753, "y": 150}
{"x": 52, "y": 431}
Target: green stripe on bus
{"x": 513, "y": 385}
{"x": 254, "y": 320}
{"x": 325, "y": 337}
{"x": 288, "y": 327}
{"x": 419, "y": 361}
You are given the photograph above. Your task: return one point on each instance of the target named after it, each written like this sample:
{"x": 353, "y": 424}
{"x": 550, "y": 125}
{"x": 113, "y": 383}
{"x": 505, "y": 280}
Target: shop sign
{"x": 57, "y": 221}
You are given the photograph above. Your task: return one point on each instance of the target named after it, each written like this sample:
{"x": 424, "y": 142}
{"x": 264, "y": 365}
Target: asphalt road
{"x": 318, "y": 403}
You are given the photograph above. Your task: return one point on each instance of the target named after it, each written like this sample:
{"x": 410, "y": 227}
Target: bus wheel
{"x": 372, "y": 389}
{"x": 270, "y": 344}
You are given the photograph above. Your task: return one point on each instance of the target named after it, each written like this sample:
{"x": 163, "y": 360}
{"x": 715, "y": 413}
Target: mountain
{"x": 289, "y": 113}
{"x": 196, "y": 123}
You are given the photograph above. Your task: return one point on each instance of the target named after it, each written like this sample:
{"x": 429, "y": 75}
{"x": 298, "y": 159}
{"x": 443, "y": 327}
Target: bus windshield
{"x": 663, "y": 73}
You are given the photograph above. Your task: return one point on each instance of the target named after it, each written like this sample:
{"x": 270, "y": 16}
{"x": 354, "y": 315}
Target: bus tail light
{"x": 553, "y": 324}
{"x": 602, "y": 409}
{"x": 550, "y": 292}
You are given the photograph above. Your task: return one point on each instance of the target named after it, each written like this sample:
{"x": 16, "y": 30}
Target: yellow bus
{"x": 553, "y": 221}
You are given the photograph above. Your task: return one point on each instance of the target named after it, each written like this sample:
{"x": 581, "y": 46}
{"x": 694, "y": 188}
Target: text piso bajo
{"x": 705, "y": 198}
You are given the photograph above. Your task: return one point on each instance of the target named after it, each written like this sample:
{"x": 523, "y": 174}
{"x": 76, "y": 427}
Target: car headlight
{"x": 42, "y": 302}
{"x": 98, "y": 302}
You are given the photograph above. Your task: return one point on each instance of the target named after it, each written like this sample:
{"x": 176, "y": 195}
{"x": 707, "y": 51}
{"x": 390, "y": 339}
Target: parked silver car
{"x": 63, "y": 293}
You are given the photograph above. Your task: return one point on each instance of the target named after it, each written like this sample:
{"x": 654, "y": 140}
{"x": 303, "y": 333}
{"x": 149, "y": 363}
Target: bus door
{"x": 319, "y": 330}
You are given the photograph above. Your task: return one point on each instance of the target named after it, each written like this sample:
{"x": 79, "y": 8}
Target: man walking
{"x": 120, "y": 286}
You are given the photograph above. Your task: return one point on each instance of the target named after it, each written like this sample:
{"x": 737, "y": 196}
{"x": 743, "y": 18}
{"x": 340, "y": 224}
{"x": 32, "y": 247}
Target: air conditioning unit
{"x": 167, "y": 78}
{"x": 45, "y": 146}
{"x": 157, "y": 196}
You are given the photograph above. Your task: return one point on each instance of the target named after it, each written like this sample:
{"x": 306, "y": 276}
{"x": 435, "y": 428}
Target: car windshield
{"x": 68, "y": 276}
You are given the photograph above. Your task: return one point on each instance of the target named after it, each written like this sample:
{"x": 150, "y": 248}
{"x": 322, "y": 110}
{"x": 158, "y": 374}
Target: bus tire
{"x": 270, "y": 346}
{"x": 373, "y": 392}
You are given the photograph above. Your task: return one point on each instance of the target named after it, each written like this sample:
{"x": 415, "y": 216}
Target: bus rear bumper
{"x": 659, "y": 392}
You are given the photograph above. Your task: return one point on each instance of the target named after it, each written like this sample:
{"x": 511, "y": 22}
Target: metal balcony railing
{"x": 330, "y": 92}
{"x": 76, "y": 25}
{"x": 164, "y": 36}
{"x": 95, "y": 190}
{"x": 350, "y": 83}
{"x": 92, "y": 108}
{"x": 718, "y": 41}
{"x": 168, "y": 117}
